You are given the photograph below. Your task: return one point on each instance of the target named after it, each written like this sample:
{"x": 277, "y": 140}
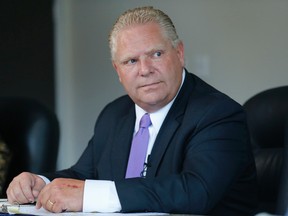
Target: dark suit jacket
{"x": 201, "y": 161}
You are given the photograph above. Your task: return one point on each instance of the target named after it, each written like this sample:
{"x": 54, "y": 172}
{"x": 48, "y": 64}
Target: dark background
{"x": 27, "y": 50}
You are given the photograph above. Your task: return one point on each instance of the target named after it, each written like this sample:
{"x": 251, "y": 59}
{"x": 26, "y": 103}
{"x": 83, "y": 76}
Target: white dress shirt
{"x": 101, "y": 195}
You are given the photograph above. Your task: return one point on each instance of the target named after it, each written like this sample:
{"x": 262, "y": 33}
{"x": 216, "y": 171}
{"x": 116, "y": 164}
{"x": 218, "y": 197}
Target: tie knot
{"x": 145, "y": 121}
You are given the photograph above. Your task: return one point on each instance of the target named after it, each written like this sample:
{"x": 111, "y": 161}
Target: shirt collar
{"x": 157, "y": 117}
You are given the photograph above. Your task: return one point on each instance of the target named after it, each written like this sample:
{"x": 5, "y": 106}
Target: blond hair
{"x": 143, "y": 15}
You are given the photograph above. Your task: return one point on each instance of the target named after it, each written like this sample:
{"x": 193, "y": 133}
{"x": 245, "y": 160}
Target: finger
{"x": 38, "y": 204}
{"x": 41, "y": 200}
{"x": 43, "y": 196}
{"x": 19, "y": 192}
{"x": 50, "y": 199}
{"x": 54, "y": 206}
{"x": 10, "y": 195}
{"x": 27, "y": 181}
{"x": 27, "y": 192}
{"x": 49, "y": 205}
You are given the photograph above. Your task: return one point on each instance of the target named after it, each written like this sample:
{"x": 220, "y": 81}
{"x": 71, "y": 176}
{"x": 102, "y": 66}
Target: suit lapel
{"x": 162, "y": 141}
{"x": 121, "y": 144}
{"x": 124, "y": 132}
{"x": 170, "y": 125}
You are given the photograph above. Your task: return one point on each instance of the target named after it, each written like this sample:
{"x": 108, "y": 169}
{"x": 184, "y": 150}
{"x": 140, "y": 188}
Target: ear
{"x": 180, "y": 52}
{"x": 116, "y": 69}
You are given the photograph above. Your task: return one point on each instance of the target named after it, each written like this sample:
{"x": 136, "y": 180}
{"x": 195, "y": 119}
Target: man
{"x": 198, "y": 158}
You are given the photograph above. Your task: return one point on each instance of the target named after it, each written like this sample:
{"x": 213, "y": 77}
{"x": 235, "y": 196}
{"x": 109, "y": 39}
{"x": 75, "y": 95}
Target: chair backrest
{"x": 31, "y": 132}
{"x": 282, "y": 207}
{"x": 267, "y": 114}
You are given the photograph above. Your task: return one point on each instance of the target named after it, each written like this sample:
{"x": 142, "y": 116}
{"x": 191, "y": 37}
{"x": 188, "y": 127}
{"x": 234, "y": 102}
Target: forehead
{"x": 140, "y": 37}
{"x": 140, "y": 31}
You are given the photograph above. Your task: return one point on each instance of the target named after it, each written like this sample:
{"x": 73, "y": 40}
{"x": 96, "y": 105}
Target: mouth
{"x": 150, "y": 85}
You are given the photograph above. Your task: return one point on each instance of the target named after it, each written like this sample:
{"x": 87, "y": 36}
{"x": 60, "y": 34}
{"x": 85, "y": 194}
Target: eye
{"x": 131, "y": 61}
{"x": 157, "y": 54}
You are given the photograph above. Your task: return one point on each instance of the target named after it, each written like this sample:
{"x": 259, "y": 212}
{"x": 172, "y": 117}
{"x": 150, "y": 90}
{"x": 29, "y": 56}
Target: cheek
{"x": 127, "y": 82}
{"x": 173, "y": 80}
{"x": 121, "y": 77}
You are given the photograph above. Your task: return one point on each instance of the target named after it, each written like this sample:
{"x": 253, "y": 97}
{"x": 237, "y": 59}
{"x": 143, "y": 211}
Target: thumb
{"x": 38, "y": 186}
{"x": 35, "y": 193}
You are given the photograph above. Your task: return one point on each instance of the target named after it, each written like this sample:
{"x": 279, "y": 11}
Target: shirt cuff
{"x": 100, "y": 196}
{"x": 45, "y": 179}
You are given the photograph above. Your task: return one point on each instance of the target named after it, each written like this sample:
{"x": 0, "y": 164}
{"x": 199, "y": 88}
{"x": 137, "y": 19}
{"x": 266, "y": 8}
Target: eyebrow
{"x": 153, "y": 51}
{"x": 149, "y": 52}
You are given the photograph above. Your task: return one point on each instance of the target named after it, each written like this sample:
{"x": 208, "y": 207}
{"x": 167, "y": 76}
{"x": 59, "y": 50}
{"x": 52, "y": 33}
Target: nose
{"x": 145, "y": 67}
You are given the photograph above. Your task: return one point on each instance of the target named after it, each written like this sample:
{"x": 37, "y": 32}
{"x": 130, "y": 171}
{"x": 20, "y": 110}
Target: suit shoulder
{"x": 202, "y": 98}
{"x": 119, "y": 106}
{"x": 205, "y": 92}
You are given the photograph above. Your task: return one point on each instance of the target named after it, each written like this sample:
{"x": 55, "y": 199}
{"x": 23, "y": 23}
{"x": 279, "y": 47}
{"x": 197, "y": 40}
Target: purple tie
{"x": 139, "y": 148}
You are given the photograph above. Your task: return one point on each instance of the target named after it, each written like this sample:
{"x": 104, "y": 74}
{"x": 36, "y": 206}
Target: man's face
{"x": 148, "y": 66}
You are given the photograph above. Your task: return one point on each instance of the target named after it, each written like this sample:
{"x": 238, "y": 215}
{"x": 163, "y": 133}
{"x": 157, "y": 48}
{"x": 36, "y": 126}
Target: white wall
{"x": 238, "y": 46}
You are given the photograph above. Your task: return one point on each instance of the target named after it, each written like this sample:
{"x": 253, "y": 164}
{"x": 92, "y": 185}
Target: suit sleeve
{"x": 84, "y": 168}
{"x": 215, "y": 153}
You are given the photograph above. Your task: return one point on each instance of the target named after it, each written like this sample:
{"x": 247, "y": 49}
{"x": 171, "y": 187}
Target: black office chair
{"x": 267, "y": 116}
{"x": 282, "y": 207}
{"x": 30, "y": 132}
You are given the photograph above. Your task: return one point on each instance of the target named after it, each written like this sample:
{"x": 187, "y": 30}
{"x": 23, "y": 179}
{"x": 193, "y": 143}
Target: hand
{"x": 62, "y": 195}
{"x": 25, "y": 188}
